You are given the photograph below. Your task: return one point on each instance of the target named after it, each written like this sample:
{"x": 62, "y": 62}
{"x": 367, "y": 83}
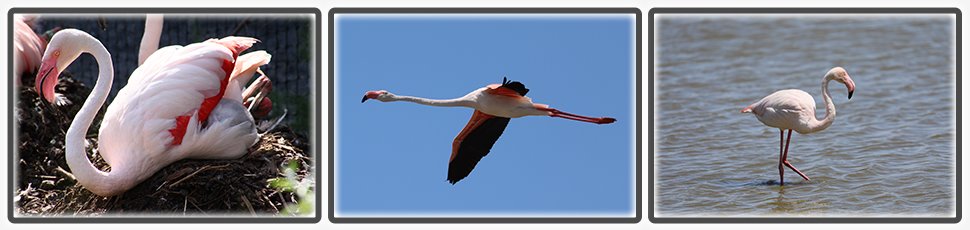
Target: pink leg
{"x": 557, "y": 113}
{"x": 785, "y": 161}
{"x": 781, "y": 157}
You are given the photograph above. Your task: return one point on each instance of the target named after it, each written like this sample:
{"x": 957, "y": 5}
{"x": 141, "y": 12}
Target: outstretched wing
{"x": 473, "y": 143}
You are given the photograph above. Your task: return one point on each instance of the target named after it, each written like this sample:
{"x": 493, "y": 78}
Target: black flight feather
{"x": 514, "y": 85}
{"x": 476, "y": 145}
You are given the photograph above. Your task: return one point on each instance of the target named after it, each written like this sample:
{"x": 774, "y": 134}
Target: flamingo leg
{"x": 781, "y": 157}
{"x": 785, "y": 158}
{"x": 561, "y": 114}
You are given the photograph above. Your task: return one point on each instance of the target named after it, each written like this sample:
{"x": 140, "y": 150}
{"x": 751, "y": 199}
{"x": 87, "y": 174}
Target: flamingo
{"x": 151, "y": 36}
{"x": 242, "y": 73}
{"x": 494, "y": 106}
{"x": 172, "y": 108}
{"x": 794, "y": 109}
{"x": 28, "y": 48}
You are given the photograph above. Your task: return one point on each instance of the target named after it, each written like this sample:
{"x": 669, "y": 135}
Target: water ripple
{"x": 890, "y": 150}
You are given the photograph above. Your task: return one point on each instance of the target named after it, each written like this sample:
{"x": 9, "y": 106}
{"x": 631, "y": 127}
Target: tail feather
{"x": 236, "y": 44}
{"x": 247, "y": 64}
{"x": 747, "y": 109}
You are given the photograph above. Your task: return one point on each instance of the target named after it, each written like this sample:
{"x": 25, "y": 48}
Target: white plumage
{"x": 794, "y": 109}
{"x": 136, "y": 136}
{"x": 786, "y": 109}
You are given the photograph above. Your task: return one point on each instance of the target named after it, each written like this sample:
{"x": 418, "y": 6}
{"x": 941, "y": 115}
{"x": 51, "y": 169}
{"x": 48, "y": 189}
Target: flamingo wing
{"x": 246, "y": 66}
{"x": 166, "y": 100}
{"x": 785, "y": 108}
{"x": 508, "y": 88}
{"x": 473, "y": 143}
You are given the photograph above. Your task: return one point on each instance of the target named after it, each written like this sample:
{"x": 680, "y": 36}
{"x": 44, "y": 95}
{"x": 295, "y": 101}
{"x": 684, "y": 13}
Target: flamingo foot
{"x": 796, "y": 171}
{"x": 606, "y": 120}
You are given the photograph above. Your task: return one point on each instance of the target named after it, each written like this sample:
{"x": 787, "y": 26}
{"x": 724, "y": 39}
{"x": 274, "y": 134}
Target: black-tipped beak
{"x": 365, "y": 98}
{"x": 850, "y": 94}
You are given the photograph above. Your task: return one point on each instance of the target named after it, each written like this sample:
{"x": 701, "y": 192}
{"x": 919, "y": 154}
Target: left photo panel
{"x": 164, "y": 115}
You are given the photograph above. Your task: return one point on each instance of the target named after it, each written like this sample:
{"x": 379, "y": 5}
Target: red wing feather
{"x": 235, "y": 45}
{"x": 496, "y": 89}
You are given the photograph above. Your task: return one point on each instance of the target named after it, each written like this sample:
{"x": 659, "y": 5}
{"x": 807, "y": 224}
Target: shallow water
{"x": 891, "y": 150}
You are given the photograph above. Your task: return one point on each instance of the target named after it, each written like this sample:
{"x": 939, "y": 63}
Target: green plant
{"x": 302, "y": 188}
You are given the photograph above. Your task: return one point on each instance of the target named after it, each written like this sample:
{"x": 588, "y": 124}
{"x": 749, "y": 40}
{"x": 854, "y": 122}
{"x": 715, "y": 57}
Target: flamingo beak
{"x": 850, "y": 85}
{"x": 370, "y": 95}
{"x": 47, "y": 77}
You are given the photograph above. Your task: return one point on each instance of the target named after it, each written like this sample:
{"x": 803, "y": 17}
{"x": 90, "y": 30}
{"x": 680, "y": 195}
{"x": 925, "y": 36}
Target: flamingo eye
{"x": 57, "y": 53}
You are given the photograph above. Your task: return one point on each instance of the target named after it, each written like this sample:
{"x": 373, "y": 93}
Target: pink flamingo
{"x": 246, "y": 65}
{"x": 28, "y": 48}
{"x": 794, "y": 109}
{"x": 494, "y": 106}
{"x": 151, "y": 36}
{"x": 172, "y": 108}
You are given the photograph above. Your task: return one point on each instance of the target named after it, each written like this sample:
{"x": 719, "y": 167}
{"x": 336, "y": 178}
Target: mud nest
{"x": 45, "y": 186}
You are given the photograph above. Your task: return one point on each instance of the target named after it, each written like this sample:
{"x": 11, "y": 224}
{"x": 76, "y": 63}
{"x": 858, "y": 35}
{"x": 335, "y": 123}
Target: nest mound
{"x": 45, "y": 187}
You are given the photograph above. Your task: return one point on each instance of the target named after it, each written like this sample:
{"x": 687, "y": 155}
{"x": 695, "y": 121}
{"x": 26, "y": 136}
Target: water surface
{"x": 890, "y": 151}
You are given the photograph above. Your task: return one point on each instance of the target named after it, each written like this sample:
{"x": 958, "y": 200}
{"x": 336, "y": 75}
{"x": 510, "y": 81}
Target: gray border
{"x": 315, "y": 135}
{"x": 638, "y": 60}
{"x": 954, "y": 11}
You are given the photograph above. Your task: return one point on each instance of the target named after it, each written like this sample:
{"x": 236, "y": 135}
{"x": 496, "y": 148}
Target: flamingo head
{"x": 65, "y": 46}
{"x": 840, "y": 75}
{"x": 380, "y": 95}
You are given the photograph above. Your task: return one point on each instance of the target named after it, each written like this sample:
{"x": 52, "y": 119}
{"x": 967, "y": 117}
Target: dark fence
{"x": 288, "y": 39}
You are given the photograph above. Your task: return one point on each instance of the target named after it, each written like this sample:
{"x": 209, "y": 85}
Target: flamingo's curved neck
{"x": 90, "y": 177}
{"x": 456, "y": 102}
{"x": 818, "y": 125}
{"x": 151, "y": 37}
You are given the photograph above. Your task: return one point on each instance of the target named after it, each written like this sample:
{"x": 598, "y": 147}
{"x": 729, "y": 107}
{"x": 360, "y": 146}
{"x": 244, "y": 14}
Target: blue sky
{"x": 392, "y": 158}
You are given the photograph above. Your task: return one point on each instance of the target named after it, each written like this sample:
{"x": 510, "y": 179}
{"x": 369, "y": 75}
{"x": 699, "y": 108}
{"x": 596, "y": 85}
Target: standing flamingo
{"x": 794, "y": 109}
{"x": 494, "y": 106}
{"x": 171, "y": 109}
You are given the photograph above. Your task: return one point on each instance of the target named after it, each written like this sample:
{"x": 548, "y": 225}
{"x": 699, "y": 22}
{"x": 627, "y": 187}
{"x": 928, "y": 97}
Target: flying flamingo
{"x": 172, "y": 108}
{"x": 494, "y": 106}
{"x": 794, "y": 109}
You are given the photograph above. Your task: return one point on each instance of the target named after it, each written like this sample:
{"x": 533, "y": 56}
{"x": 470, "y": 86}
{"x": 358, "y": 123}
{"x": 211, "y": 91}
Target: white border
{"x": 479, "y": 16}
